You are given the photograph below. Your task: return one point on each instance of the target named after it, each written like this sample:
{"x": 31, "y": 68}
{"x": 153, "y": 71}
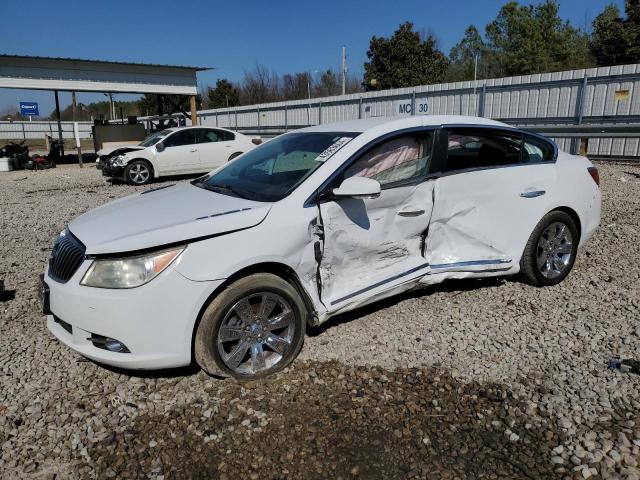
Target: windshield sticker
{"x": 341, "y": 142}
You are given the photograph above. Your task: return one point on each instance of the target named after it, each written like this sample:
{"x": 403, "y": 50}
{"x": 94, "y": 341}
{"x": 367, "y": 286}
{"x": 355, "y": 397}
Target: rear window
{"x": 537, "y": 150}
{"x": 472, "y": 148}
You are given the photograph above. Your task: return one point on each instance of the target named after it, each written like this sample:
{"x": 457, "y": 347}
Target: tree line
{"x": 521, "y": 40}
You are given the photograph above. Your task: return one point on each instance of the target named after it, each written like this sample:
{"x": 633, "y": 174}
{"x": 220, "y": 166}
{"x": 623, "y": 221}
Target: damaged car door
{"x": 371, "y": 245}
{"x": 494, "y": 186}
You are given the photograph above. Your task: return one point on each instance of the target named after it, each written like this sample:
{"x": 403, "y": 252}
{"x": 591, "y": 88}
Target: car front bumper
{"x": 109, "y": 171}
{"x": 155, "y": 321}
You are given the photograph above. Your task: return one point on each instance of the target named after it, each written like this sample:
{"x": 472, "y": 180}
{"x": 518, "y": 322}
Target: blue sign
{"x": 29, "y": 109}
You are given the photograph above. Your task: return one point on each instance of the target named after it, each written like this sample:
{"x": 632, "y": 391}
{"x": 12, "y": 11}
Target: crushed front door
{"x": 370, "y": 245}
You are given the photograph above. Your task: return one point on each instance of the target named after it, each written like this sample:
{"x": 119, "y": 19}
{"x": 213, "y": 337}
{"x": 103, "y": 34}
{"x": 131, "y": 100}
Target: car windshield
{"x": 153, "y": 139}
{"x": 271, "y": 171}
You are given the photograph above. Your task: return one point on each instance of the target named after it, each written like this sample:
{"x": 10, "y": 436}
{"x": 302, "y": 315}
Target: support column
{"x": 76, "y": 127}
{"x": 59, "y": 124}
{"x": 194, "y": 113}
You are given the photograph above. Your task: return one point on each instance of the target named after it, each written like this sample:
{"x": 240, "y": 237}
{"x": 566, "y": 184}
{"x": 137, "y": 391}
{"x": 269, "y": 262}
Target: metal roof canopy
{"x": 71, "y": 74}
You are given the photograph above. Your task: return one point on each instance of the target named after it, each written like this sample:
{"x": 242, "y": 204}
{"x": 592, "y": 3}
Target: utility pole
{"x": 475, "y": 68}
{"x": 309, "y": 95}
{"x": 343, "y": 70}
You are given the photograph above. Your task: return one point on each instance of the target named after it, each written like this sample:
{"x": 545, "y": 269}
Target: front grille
{"x": 66, "y": 257}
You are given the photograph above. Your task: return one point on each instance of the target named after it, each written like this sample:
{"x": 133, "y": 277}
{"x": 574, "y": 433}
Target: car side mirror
{"x": 160, "y": 147}
{"x": 357, "y": 187}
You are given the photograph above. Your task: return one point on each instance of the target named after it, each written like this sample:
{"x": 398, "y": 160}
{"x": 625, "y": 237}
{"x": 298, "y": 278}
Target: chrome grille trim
{"x": 66, "y": 257}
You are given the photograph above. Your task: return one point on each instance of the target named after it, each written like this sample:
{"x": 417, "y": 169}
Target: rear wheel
{"x": 138, "y": 172}
{"x": 254, "y": 328}
{"x": 551, "y": 250}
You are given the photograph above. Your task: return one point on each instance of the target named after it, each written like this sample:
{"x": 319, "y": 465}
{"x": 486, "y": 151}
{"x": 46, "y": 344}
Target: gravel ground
{"x": 471, "y": 379}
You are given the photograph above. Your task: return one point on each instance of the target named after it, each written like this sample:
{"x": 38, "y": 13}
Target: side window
{"x": 226, "y": 136}
{"x": 181, "y": 137}
{"x": 207, "y": 136}
{"x": 396, "y": 160}
{"x": 481, "y": 149}
{"x": 536, "y": 150}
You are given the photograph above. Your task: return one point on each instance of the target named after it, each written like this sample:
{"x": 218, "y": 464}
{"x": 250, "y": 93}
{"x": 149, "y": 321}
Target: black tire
{"x": 138, "y": 172}
{"x": 234, "y": 155}
{"x": 530, "y": 271}
{"x": 207, "y": 348}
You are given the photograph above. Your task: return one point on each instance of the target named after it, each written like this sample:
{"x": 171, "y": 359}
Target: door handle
{"x": 532, "y": 193}
{"x": 193, "y": 150}
{"x": 410, "y": 213}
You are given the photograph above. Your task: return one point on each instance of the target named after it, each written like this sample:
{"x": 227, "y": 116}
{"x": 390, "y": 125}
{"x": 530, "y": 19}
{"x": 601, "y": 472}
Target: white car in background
{"x": 229, "y": 269}
{"x": 175, "y": 151}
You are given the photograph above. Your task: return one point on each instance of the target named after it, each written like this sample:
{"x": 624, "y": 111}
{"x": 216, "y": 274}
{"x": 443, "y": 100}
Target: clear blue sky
{"x": 233, "y": 36}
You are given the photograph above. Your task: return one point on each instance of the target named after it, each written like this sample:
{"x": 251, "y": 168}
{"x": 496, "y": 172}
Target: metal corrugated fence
{"x": 605, "y": 96}
{"x": 596, "y": 96}
{"x": 38, "y": 129}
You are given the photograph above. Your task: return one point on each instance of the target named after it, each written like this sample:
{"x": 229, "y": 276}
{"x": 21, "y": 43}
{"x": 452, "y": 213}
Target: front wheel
{"x": 137, "y": 172}
{"x": 551, "y": 250}
{"x": 252, "y": 329}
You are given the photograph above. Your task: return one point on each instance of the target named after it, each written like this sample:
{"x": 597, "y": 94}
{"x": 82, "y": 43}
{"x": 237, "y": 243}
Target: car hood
{"x": 111, "y": 150}
{"x": 163, "y": 216}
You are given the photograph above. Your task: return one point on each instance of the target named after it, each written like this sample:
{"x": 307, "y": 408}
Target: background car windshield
{"x": 273, "y": 170}
{"x": 153, "y": 139}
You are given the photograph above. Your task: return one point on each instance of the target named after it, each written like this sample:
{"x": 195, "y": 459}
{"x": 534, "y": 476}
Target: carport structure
{"x": 79, "y": 75}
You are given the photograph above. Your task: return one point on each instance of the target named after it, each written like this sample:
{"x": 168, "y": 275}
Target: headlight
{"x": 117, "y": 161}
{"x": 129, "y": 272}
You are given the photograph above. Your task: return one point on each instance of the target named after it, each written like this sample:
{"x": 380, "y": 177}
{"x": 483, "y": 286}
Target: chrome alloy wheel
{"x": 139, "y": 173}
{"x": 555, "y": 249}
{"x": 256, "y": 333}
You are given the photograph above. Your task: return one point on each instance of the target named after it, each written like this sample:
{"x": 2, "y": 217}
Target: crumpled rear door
{"x": 482, "y": 219}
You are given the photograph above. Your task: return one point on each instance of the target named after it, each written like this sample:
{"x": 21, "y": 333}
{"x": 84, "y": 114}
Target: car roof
{"x": 176, "y": 129}
{"x": 365, "y": 124}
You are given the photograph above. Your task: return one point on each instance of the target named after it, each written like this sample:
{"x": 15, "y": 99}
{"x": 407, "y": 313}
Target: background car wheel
{"x": 138, "y": 172}
{"x": 234, "y": 155}
{"x": 551, "y": 250}
{"x": 254, "y": 328}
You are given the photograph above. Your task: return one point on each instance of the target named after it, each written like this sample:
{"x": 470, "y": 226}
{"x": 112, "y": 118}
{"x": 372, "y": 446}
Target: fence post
{"x": 216, "y": 119}
{"x": 574, "y": 147}
{"x": 236, "y": 118}
{"x": 360, "y": 107}
{"x": 24, "y": 135}
{"x": 259, "y": 128}
{"x": 413, "y": 103}
{"x": 286, "y": 118}
{"x": 320, "y": 113}
{"x": 481, "y": 102}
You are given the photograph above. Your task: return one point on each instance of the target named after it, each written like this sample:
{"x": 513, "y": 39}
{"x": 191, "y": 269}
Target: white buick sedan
{"x": 229, "y": 269}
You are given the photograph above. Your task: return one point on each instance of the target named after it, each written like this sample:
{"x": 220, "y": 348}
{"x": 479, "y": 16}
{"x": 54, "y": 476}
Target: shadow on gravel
{"x": 327, "y": 420}
{"x": 454, "y": 286}
{"x": 7, "y": 295}
{"x": 180, "y": 372}
{"x": 157, "y": 181}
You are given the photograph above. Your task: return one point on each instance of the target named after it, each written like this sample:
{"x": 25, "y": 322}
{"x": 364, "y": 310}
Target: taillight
{"x": 593, "y": 171}
{"x": 256, "y": 141}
